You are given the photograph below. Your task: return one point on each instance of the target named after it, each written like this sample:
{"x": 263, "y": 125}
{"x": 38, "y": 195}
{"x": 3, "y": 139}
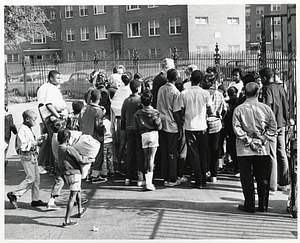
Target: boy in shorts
{"x": 147, "y": 122}
{"x": 69, "y": 160}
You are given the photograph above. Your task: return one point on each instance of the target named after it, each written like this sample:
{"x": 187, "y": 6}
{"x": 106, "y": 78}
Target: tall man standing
{"x": 274, "y": 96}
{"x": 254, "y": 125}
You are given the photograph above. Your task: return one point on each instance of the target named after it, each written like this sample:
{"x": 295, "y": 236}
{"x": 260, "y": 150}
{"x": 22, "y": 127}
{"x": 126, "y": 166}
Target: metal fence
{"x": 36, "y": 73}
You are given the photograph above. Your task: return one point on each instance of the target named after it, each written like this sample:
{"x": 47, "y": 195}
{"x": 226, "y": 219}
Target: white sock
{"x": 51, "y": 201}
{"x": 150, "y": 177}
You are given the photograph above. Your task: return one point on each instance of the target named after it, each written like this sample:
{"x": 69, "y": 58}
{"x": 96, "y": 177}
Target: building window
{"x": 152, "y": 6}
{"x": 154, "y": 53}
{"x": 99, "y": 9}
{"x": 233, "y": 48}
{"x": 133, "y": 30}
{"x": 48, "y": 57}
{"x": 83, "y": 10}
{"x": 259, "y": 10}
{"x": 154, "y": 28}
{"x": 248, "y": 12}
{"x": 100, "y": 32}
{"x": 201, "y": 20}
{"x": 84, "y": 33}
{"x": 70, "y": 35}
{"x": 232, "y": 20}
{"x": 85, "y": 56}
{"x": 54, "y": 36}
{"x": 71, "y": 55}
{"x": 258, "y": 23}
{"x": 132, "y": 7}
{"x": 275, "y": 7}
{"x": 69, "y": 11}
{"x": 277, "y": 35}
{"x": 202, "y": 48}
{"x": 174, "y": 26}
{"x": 39, "y": 39}
{"x": 39, "y": 57}
{"x": 12, "y": 58}
{"x": 247, "y": 37}
{"x": 258, "y": 36}
{"x": 276, "y": 21}
{"x": 52, "y": 14}
{"x": 248, "y": 24}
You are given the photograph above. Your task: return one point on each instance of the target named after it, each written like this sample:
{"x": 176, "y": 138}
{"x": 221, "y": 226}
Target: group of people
{"x": 165, "y": 125}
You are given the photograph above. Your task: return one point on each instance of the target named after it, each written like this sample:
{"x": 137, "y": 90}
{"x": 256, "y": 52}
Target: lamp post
{"x": 175, "y": 56}
{"x": 24, "y": 63}
{"x": 259, "y": 55}
{"x": 135, "y": 59}
{"x": 96, "y": 59}
{"x": 56, "y": 61}
{"x": 217, "y": 57}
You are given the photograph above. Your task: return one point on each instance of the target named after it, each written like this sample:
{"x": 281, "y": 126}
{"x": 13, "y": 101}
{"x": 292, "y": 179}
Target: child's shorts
{"x": 150, "y": 139}
{"x": 74, "y": 182}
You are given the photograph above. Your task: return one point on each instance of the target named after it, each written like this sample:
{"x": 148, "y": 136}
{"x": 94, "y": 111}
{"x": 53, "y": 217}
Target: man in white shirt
{"x": 195, "y": 101}
{"x": 237, "y": 82}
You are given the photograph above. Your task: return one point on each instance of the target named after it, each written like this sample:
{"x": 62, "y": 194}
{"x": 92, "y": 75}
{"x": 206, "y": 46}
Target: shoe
{"x": 214, "y": 179}
{"x": 282, "y": 188}
{"x": 52, "y": 207}
{"x": 42, "y": 171}
{"x": 247, "y": 210}
{"x": 271, "y": 192}
{"x": 140, "y": 183}
{"x": 176, "y": 183}
{"x": 80, "y": 215}
{"x": 238, "y": 175}
{"x": 71, "y": 223}
{"x": 38, "y": 203}
{"x": 166, "y": 183}
{"x": 98, "y": 179}
{"x": 83, "y": 201}
{"x": 198, "y": 186}
{"x": 259, "y": 209}
{"x": 12, "y": 199}
{"x": 182, "y": 179}
{"x": 127, "y": 182}
{"x": 150, "y": 187}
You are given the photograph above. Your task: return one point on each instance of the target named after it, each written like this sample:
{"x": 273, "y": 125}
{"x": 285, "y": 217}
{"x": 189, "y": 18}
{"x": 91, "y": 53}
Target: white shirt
{"x": 195, "y": 101}
{"x": 238, "y": 85}
{"x": 117, "y": 101}
{"x": 49, "y": 93}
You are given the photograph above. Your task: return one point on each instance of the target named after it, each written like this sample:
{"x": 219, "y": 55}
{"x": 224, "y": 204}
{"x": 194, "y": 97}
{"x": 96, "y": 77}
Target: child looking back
{"x": 72, "y": 121}
{"x": 147, "y": 122}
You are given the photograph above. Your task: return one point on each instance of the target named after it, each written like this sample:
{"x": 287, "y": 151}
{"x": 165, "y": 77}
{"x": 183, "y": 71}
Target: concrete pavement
{"x": 129, "y": 213}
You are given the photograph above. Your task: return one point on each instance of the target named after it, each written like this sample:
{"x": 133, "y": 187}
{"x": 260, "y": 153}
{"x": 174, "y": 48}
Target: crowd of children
{"x": 118, "y": 115}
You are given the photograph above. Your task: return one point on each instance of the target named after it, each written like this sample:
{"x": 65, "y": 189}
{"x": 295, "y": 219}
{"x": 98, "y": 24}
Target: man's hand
{"x": 180, "y": 134}
{"x": 256, "y": 144}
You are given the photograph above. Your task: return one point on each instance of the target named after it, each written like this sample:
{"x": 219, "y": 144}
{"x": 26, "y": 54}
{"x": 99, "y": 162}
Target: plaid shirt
{"x": 218, "y": 105}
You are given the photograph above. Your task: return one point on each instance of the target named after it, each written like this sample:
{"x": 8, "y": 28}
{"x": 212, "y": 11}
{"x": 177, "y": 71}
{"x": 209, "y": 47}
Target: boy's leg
{"x": 35, "y": 194}
{"x": 139, "y": 157}
{"x": 131, "y": 154}
{"x": 104, "y": 170}
{"x": 70, "y": 206}
{"x": 78, "y": 200}
{"x": 110, "y": 158}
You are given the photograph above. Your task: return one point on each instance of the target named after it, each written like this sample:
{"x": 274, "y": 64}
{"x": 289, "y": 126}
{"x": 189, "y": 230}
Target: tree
{"x": 22, "y": 23}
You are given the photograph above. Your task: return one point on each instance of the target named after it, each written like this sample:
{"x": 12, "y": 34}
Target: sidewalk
{"x": 128, "y": 213}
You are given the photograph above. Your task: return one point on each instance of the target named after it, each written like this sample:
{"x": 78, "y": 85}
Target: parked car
{"x": 77, "y": 84}
{"x": 34, "y": 80}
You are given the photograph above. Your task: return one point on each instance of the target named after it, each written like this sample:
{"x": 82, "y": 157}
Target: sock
{"x": 150, "y": 177}
{"x": 51, "y": 201}
{"x": 147, "y": 178}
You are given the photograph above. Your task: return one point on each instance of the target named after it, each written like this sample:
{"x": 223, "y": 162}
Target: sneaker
{"x": 83, "y": 201}
{"x": 71, "y": 223}
{"x": 42, "y": 171}
{"x": 127, "y": 182}
{"x": 214, "y": 179}
{"x": 141, "y": 183}
{"x": 182, "y": 179}
{"x": 12, "y": 199}
{"x": 238, "y": 175}
{"x": 80, "y": 215}
{"x": 38, "y": 203}
{"x": 150, "y": 187}
{"x": 166, "y": 183}
{"x": 282, "y": 188}
{"x": 176, "y": 183}
{"x": 271, "y": 192}
{"x": 98, "y": 179}
{"x": 52, "y": 207}
{"x": 198, "y": 186}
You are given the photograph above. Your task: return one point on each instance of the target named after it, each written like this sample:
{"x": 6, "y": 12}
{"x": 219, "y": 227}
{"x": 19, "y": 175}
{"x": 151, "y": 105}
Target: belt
{"x": 118, "y": 117}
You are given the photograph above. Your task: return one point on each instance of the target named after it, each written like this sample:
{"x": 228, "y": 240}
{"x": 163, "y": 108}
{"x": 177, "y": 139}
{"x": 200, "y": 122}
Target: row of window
{"x": 274, "y": 21}
{"x": 277, "y": 36}
{"x": 261, "y": 10}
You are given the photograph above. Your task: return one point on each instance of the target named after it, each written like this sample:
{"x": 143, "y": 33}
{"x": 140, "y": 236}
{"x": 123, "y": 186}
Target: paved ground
{"x": 129, "y": 213}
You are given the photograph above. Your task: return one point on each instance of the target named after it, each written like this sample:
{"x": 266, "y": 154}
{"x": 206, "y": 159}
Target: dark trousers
{"x": 135, "y": 156}
{"x": 259, "y": 167}
{"x": 168, "y": 143}
{"x": 213, "y": 145}
{"x": 232, "y": 149}
{"x": 197, "y": 151}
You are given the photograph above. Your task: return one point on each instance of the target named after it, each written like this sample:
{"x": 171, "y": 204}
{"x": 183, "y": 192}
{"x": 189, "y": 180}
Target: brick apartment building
{"x": 153, "y": 30}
